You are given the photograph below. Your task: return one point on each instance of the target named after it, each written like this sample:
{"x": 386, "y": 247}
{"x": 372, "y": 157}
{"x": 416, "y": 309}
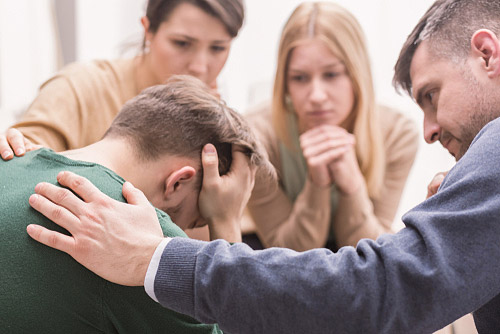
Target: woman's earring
{"x": 146, "y": 46}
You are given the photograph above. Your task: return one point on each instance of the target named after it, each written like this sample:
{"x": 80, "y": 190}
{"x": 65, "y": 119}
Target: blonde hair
{"x": 342, "y": 34}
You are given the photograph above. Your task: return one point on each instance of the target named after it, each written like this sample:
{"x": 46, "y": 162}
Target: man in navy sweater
{"x": 443, "y": 265}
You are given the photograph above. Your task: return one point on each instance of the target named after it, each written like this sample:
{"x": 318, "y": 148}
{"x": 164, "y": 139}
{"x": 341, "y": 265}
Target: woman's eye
{"x": 332, "y": 74}
{"x": 299, "y": 78}
{"x": 218, "y": 48}
{"x": 181, "y": 44}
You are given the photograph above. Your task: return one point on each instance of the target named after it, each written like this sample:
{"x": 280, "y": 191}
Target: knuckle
{"x": 76, "y": 182}
{"x": 52, "y": 240}
{"x": 57, "y": 213}
{"x": 105, "y": 203}
{"x": 11, "y": 132}
{"x": 62, "y": 195}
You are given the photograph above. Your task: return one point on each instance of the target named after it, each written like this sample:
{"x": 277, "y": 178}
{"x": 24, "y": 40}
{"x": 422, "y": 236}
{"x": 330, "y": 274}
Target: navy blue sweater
{"x": 443, "y": 265}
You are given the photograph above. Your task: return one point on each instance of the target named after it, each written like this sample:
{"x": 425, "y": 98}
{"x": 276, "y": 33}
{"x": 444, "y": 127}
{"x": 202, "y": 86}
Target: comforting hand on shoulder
{"x": 115, "y": 240}
{"x": 13, "y": 142}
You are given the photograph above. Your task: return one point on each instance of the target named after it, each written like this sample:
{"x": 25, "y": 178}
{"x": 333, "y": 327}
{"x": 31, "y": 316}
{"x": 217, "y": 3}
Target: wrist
{"x": 316, "y": 197}
{"x": 229, "y": 230}
{"x": 153, "y": 268}
{"x": 350, "y": 189}
{"x": 149, "y": 250}
{"x": 320, "y": 184}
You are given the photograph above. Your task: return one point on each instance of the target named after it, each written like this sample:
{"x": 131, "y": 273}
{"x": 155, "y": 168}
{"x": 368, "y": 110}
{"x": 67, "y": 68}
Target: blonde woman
{"x": 342, "y": 160}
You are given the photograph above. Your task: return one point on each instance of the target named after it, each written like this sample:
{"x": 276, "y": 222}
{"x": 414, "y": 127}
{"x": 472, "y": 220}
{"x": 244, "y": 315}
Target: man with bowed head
{"x": 443, "y": 265}
{"x": 156, "y": 142}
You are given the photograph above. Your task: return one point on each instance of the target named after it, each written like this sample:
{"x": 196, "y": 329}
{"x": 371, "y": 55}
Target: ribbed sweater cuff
{"x": 174, "y": 281}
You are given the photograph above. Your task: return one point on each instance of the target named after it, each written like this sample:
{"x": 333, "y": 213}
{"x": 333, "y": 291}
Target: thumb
{"x": 133, "y": 195}
{"x": 210, "y": 162}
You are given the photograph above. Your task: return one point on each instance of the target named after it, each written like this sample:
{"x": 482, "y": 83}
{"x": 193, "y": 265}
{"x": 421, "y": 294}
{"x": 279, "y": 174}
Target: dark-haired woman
{"x": 76, "y": 106}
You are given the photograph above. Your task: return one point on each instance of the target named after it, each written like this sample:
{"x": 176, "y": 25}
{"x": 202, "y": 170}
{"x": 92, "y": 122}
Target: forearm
{"x": 230, "y": 231}
{"x": 54, "y": 118}
{"x": 442, "y": 266}
{"x": 42, "y": 134}
{"x": 280, "y": 291}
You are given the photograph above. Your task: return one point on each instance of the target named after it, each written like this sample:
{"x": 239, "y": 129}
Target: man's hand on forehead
{"x": 223, "y": 198}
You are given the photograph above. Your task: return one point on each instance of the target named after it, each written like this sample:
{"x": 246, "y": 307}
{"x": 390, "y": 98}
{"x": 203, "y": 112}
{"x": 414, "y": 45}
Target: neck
{"x": 145, "y": 76}
{"x": 115, "y": 154}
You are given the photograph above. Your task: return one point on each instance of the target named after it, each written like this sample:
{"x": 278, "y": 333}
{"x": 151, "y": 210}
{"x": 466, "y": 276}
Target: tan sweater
{"x": 76, "y": 106}
{"x": 305, "y": 224}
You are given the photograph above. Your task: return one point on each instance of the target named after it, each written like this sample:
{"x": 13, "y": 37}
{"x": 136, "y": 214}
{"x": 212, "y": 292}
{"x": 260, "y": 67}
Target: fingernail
{"x": 6, "y": 154}
{"x": 19, "y": 151}
{"x": 38, "y": 187}
{"x": 128, "y": 185}
{"x": 33, "y": 198}
{"x": 210, "y": 149}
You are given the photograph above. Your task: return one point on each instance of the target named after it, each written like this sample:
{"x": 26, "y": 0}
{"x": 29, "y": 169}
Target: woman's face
{"x": 190, "y": 42}
{"x": 319, "y": 86}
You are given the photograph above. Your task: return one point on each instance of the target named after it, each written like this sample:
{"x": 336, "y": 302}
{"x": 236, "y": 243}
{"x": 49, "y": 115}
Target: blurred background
{"x": 38, "y": 37}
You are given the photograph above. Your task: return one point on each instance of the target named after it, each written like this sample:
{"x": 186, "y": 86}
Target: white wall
{"x": 28, "y": 56}
{"x": 27, "y": 53}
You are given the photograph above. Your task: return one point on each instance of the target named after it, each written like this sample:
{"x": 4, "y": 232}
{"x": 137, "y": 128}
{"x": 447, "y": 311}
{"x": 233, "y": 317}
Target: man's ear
{"x": 177, "y": 182}
{"x": 485, "y": 46}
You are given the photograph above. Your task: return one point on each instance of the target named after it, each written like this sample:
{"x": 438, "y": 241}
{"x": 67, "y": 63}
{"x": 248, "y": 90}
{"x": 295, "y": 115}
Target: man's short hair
{"x": 179, "y": 118}
{"x": 448, "y": 26}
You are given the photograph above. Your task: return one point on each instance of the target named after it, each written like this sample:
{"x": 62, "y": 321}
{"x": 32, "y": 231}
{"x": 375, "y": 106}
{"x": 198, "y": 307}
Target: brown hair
{"x": 448, "y": 25}
{"x": 230, "y": 12}
{"x": 179, "y": 118}
{"x": 342, "y": 34}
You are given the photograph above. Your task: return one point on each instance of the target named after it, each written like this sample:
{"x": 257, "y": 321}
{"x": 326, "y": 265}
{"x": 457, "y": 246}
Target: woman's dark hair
{"x": 230, "y": 12}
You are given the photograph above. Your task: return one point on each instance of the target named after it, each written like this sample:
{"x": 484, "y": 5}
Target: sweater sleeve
{"x": 359, "y": 216}
{"x": 54, "y": 118}
{"x": 442, "y": 266}
{"x": 76, "y": 106}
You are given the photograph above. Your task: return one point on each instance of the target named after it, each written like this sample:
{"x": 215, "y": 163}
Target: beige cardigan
{"x": 305, "y": 224}
{"x": 75, "y": 107}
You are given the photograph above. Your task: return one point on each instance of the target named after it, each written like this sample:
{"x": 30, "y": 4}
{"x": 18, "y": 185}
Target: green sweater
{"x": 45, "y": 291}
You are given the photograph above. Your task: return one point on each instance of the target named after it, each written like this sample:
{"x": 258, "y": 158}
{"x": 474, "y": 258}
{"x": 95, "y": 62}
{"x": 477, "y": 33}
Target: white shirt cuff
{"x": 149, "y": 281}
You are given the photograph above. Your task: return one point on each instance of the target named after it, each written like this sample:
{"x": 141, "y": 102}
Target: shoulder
{"x": 395, "y": 123}
{"x": 98, "y": 71}
{"x": 400, "y": 134}
{"x": 170, "y": 229}
{"x": 259, "y": 116}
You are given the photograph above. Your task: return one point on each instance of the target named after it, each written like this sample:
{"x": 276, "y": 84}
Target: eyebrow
{"x": 191, "y": 39}
{"x": 335, "y": 64}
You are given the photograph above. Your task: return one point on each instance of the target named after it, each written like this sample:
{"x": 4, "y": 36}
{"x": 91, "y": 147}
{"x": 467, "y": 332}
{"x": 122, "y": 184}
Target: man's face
{"x": 455, "y": 105}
